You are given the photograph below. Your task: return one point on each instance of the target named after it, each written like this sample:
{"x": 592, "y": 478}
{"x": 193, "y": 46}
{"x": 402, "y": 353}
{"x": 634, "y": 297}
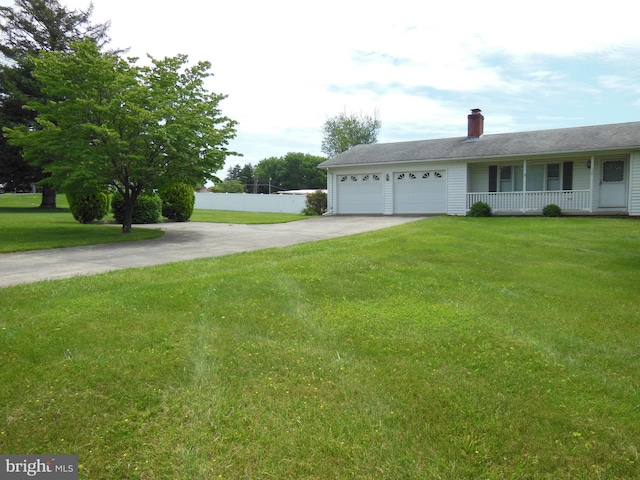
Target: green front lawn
{"x": 446, "y": 348}
{"x": 24, "y": 227}
{"x": 227, "y": 216}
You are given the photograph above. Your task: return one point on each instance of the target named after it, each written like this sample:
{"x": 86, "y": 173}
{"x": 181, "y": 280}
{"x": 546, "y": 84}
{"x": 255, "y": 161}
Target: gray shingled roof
{"x": 598, "y": 138}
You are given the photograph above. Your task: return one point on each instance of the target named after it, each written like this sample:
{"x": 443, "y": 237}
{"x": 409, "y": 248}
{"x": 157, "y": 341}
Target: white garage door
{"x": 420, "y": 192}
{"x": 360, "y": 193}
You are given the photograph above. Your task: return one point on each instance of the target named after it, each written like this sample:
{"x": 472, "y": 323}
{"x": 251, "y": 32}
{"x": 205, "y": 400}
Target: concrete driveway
{"x": 181, "y": 241}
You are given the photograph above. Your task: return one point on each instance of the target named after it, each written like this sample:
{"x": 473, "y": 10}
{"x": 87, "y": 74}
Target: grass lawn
{"x": 448, "y": 348}
{"x": 24, "y": 227}
{"x": 225, "y": 216}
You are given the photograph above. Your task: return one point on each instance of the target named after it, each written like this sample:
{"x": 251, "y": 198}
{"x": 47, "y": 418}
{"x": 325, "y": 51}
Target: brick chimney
{"x": 476, "y": 123}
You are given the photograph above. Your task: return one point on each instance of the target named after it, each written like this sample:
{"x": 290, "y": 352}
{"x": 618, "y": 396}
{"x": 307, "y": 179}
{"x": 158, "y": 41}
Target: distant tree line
{"x": 294, "y": 171}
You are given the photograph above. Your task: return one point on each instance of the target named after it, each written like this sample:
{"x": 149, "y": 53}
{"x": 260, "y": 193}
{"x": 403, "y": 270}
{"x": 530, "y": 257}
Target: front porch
{"x": 571, "y": 201}
{"x": 589, "y": 185}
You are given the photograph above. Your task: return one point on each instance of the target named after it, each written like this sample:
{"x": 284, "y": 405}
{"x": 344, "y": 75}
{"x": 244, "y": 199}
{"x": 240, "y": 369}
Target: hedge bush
{"x": 480, "y": 209}
{"x": 88, "y": 207}
{"x": 316, "y": 203}
{"x": 177, "y": 201}
{"x": 147, "y": 209}
{"x": 552, "y": 210}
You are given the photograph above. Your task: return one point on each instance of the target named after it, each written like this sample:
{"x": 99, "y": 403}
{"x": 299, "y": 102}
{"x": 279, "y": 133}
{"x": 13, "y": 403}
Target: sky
{"x": 288, "y": 66}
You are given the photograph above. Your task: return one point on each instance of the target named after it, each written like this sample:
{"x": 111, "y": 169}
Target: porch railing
{"x": 532, "y": 201}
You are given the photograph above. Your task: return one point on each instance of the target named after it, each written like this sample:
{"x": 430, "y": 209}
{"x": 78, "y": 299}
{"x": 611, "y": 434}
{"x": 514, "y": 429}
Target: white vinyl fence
{"x": 249, "y": 202}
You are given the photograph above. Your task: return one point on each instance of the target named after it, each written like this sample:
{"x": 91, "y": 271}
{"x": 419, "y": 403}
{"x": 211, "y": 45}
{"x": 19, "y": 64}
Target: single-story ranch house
{"x": 583, "y": 170}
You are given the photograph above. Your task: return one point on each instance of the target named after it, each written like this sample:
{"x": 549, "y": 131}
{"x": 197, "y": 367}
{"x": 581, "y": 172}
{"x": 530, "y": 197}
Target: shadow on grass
{"x": 33, "y": 210}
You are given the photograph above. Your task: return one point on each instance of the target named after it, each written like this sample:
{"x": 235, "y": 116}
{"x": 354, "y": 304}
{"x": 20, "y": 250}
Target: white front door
{"x": 613, "y": 185}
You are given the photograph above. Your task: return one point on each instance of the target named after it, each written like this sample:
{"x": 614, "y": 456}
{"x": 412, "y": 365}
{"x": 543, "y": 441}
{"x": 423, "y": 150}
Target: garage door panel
{"x": 361, "y": 193}
{"x": 420, "y": 192}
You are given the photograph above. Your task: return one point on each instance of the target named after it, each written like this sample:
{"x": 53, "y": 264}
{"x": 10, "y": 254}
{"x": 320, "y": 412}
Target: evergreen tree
{"x": 31, "y": 27}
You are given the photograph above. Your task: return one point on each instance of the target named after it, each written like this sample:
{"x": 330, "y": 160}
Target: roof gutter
{"x": 492, "y": 157}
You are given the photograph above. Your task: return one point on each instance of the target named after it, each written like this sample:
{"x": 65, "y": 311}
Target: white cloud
{"x": 289, "y": 65}
{"x": 621, "y": 83}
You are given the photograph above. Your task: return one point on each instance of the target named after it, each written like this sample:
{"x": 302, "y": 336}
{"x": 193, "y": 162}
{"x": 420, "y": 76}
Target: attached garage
{"x": 420, "y": 191}
{"x": 360, "y": 193}
{"x": 404, "y": 192}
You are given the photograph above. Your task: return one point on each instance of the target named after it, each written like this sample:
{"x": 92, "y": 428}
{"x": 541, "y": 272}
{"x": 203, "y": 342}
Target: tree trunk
{"x": 129, "y": 202}
{"x": 48, "y": 198}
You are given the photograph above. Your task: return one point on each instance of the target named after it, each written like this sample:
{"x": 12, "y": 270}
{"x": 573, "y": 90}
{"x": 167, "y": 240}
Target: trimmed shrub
{"x": 177, "y": 201}
{"x": 88, "y": 207}
{"x": 552, "y": 210}
{"x": 480, "y": 209}
{"x": 316, "y": 203}
{"x": 147, "y": 209}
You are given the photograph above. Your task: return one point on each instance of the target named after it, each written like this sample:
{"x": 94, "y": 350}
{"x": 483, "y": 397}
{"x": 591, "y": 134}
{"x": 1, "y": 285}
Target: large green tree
{"x": 122, "y": 126}
{"x": 26, "y": 29}
{"x": 292, "y": 172}
{"x": 344, "y": 131}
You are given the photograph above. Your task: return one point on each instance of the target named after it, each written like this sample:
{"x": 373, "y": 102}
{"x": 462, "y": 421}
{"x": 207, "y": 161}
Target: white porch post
{"x": 524, "y": 186}
{"x": 591, "y": 182}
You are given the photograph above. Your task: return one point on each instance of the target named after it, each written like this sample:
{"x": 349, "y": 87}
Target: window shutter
{"x": 567, "y": 176}
{"x": 493, "y": 178}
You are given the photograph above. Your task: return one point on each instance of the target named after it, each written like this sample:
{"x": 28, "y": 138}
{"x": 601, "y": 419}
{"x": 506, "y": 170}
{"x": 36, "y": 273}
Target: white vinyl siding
{"x": 457, "y": 189}
{"x": 331, "y": 193}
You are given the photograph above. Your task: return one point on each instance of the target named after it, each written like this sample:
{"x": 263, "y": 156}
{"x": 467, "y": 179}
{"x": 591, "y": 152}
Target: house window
{"x": 505, "y": 182}
{"x": 518, "y": 178}
{"x": 503, "y": 178}
{"x": 553, "y": 176}
{"x": 613, "y": 171}
{"x": 510, "y": 178}
{"x": 535, "y": 178}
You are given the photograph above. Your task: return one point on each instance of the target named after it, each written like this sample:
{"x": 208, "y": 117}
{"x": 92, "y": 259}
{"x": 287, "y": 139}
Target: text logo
{"x": 49, "y": 467}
